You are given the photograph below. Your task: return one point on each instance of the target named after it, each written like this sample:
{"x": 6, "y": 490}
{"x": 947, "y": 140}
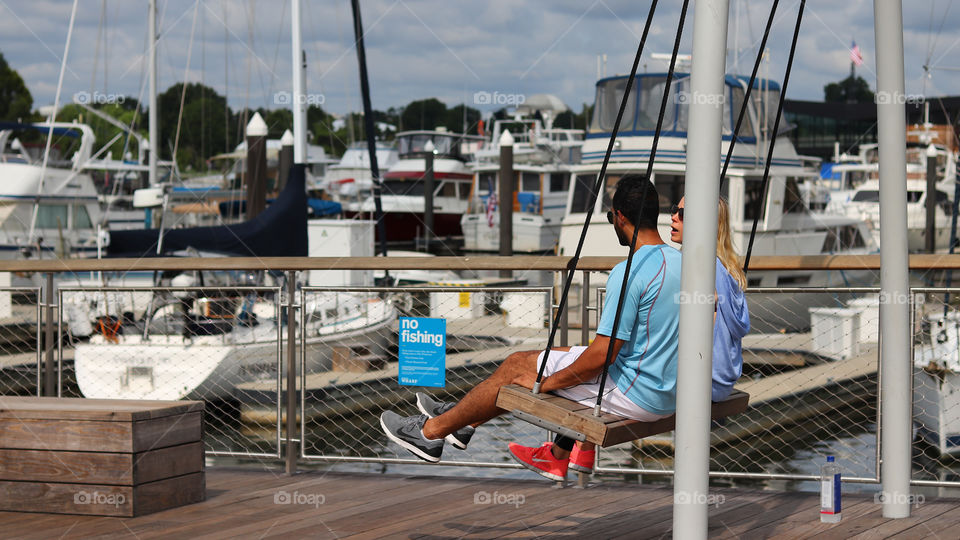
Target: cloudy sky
{"x": 444, "y": 49}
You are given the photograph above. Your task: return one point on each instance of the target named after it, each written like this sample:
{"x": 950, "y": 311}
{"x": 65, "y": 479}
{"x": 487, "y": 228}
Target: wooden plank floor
{"x": 246, "y": 503}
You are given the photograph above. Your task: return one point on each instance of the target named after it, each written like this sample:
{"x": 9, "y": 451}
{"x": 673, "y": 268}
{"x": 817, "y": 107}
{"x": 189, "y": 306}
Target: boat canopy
{"x": 643, "y": 107}
{"x": 278, "y": 231}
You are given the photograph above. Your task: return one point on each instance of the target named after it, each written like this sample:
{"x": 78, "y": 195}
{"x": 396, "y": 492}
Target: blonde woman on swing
{"x": 731, "y": 320}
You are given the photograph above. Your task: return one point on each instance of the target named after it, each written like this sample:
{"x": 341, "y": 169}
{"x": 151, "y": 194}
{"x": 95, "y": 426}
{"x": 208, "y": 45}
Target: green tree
{"x": 850, "y": 90}
{"x": 208, "y": 126}
{"x": 424, "y": 114}
{"x": 15, "y": 99}
{"x": 462, "y": 118}
{"x": 126, "y": 112}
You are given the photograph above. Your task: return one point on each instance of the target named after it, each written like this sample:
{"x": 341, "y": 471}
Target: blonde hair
{"x": 728, "y": 257}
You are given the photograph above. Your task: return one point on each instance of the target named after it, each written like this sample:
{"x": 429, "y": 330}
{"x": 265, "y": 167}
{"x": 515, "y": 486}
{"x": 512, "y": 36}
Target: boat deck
{"x": 262, "y": 504}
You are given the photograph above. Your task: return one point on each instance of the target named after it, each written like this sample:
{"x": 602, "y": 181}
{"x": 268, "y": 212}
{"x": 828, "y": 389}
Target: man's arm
{"x": 586, "y": 367}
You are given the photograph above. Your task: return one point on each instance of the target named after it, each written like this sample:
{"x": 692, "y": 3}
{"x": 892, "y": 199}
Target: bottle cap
{"x": 829, "y": 459}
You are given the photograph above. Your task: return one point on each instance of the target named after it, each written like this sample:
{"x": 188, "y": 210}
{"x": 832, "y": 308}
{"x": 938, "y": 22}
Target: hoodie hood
{"x": 732, "y": 323}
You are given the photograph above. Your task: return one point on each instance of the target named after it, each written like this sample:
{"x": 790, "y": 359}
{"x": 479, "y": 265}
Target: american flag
{"x": 855, "y": 55}
{"x": 491, "y": 207}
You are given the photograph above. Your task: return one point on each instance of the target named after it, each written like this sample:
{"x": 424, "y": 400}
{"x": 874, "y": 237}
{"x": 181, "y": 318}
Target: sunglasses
{"x": 610, "y": 216}
{"x": 678, "y": 211}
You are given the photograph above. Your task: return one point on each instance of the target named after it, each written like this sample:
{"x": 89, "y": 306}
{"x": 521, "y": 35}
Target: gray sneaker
{"x": 431, "y": 407}
{"x": 407, "y": 431}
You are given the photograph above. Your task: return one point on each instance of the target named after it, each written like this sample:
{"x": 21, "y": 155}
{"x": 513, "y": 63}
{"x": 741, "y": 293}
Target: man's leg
{"x": 480, "y": 403}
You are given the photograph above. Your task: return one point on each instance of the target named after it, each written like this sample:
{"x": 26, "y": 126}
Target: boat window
{"x": 609, "y": 95}
{"x": 529, "y": 182}
{"x": 487, "y": 182}
{"x": 582, "y": 193}
{"x": 81, "y": 219}
{"x": 914, "y": 196}
{"x": 747, "y": 129}
{"x": 402, "y": 187}
{"x": 463, "y": 192}
{"x": 830, "y": 242}
{"x": 559, "y": 182}
{"x": 447, "y": 189}
{"x": 413, "y": 144}
{"x": 792, "y": 199}
{"x": 753, "y": 203}
{"x": 850, "y": 237}
{"x": 608, "y": 191}
{"x": 944, "y": 203}
{"x": 650, "y": 97}
{"x": 867, "y": 195}
{"x": 52, "y": 216}
{"x": 765, "y": 103}
{"x": 670, "y": 190}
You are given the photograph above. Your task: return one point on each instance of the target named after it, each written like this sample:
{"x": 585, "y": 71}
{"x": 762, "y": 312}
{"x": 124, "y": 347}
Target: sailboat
{"x": 200, "y": 342}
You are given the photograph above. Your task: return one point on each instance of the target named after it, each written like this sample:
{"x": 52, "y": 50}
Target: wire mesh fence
{"x": 172, "y": 343}
{"x": 936, "y": 385}
{"x": 813, "y": 391}
{"x": 20, "y": 344}
{"x": 810, "y": 365}
{"x": 342, "y": 405}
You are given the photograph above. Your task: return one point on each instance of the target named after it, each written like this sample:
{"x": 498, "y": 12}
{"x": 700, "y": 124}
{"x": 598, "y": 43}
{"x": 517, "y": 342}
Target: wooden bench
{"x": 99, "y": 456}
{"x": 577, "y": 421}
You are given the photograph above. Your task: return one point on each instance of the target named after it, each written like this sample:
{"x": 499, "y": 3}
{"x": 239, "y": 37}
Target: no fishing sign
{"x": 422, "y": 347}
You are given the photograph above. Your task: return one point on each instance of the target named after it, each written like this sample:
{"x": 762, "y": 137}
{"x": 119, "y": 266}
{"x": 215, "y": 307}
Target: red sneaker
{"x": 582, "y": 460}
{"x": 540, "y": 460}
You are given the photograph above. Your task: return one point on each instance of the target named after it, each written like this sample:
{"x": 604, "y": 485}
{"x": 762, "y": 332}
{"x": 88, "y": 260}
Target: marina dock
{"x": 253, "y": 503}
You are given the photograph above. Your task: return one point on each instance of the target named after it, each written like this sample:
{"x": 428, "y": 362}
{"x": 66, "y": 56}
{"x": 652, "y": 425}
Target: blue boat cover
{"x": 279, "y": 231}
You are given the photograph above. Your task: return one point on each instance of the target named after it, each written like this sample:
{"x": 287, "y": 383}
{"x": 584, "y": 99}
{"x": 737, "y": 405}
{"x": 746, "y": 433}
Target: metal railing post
{"x": 291, "y": 430}
{"x": 49, "y": 372}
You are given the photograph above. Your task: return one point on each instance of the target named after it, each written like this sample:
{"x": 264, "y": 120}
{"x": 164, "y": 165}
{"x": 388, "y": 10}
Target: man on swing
{"x": 641, "y": 381}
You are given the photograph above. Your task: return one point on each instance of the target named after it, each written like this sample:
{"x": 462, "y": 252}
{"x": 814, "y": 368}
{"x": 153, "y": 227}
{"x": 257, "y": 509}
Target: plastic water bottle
{"x": 830, "y": 492}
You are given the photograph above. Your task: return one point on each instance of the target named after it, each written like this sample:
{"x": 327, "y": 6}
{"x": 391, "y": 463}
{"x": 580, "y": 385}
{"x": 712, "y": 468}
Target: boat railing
{"x": 811, "y": 361}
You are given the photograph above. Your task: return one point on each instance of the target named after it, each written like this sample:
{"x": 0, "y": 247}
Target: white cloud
{"x": 426, "y": 48}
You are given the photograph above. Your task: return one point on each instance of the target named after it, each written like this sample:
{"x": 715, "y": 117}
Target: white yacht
{"x": 936, "y": 383}
{"x": 51, "y": 212}
{"x": 785, "y": 224}
{"x": 543, "y": 157}
{"x": 350, "y": 181}
{"x": 854, "y": 188}
{"x": 403, "y": 185}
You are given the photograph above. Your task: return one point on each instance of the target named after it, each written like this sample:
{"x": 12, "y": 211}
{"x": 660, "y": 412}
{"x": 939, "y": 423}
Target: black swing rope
{"x": 773, "y": 136}
{"x": 643, "y": 197}
{"x": 599, "y": 182}
{"x": 746, "y": 95}
{"x": 572, "y": 265}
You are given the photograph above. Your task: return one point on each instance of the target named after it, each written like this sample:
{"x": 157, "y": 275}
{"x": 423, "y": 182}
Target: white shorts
{"x": 614, "y": 401}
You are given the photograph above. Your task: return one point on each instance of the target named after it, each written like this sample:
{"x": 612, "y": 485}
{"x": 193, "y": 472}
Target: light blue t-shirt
{"x": 645, "y": 369}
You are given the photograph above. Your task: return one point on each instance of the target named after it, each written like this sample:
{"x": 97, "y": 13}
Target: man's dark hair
{"x": 636, "y": 198}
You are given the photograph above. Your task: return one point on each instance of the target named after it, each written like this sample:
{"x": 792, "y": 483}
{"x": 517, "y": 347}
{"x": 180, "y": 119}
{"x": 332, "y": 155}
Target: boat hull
{"x": 936, "y": 401}
{"x": 531, "y": 234}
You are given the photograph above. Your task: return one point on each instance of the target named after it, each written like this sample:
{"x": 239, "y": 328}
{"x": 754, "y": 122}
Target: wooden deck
{"x": 244, "y": 503}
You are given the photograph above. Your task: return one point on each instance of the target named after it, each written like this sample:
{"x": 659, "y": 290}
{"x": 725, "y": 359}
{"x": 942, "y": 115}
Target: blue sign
{"x": 423, "y": 351}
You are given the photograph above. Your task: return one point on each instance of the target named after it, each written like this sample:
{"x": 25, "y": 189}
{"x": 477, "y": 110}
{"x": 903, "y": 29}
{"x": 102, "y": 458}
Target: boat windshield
{"x": 403, "y": 187}
{"x": 413, "y": 144}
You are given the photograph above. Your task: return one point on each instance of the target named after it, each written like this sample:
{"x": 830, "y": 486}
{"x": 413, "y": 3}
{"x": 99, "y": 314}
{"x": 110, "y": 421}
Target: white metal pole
{"x": 702, "y": 189}
{"x": 299, "y": 89}
{"x": 895, "y": 407}
{"x": 152, "y": 118}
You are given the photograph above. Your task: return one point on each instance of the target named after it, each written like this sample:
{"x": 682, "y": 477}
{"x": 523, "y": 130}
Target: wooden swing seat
{"x": 577, "y": 421}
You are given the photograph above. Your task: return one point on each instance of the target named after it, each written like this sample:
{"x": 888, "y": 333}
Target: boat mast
{"x": 299, "y": 103}
{"x": 368, "y": 124}
{"x": 152, "y": 104}
{"x": 51, "y": 120}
